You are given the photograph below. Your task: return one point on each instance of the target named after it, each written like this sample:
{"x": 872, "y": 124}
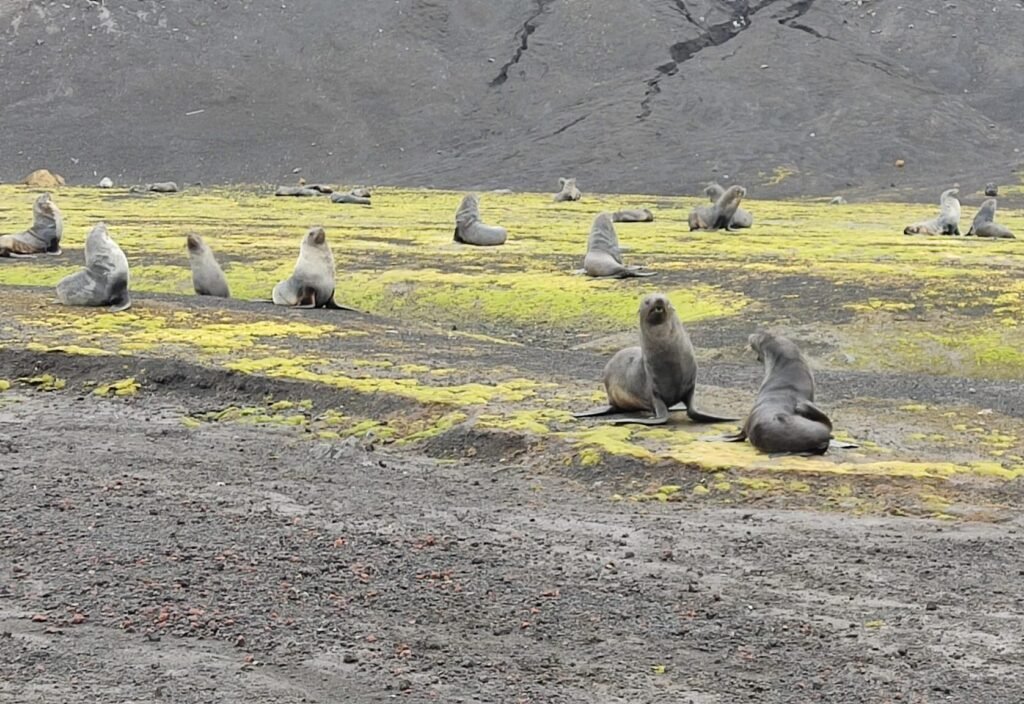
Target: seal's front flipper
{"x": 660, "y": 416}
{"x": 811, "y": 412}
{"x": 121, "y": 305}
{"x": 698, "y": 417}
{"x": 600, "y": 411}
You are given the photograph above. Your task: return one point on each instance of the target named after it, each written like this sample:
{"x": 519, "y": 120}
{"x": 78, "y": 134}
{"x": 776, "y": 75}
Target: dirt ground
{"x": 230, "y": 562}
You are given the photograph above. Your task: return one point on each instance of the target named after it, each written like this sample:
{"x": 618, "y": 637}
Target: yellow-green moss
{"x": 123, "y": 387}
{"x": 45, "y": 382}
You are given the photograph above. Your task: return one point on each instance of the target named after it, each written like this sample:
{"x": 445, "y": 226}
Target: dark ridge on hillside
{"x": 789, "y": 97}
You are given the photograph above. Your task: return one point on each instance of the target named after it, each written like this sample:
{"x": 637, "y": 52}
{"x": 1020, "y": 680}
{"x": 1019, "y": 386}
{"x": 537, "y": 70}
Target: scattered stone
{"x": 105, "y": 182}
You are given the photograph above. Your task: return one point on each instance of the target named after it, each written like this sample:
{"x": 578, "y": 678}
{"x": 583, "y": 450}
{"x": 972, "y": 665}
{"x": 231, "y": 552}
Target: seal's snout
{"x": 194, "y": 243}
{"x": 318, "y": 235}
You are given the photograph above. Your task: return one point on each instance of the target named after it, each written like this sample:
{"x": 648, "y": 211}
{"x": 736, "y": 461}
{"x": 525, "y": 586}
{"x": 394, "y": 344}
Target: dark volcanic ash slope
{"x": 650, "y": 95}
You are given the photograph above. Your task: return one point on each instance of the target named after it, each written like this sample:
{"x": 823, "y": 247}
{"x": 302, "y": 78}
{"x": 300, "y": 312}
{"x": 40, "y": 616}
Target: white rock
{"x": 105, "y": 182}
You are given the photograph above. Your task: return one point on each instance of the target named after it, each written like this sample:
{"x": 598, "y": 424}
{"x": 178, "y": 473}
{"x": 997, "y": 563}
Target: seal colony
{"x": 44, "y": 235}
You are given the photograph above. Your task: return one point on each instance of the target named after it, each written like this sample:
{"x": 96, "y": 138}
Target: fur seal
{"x": 104, "y": 281}
{"x": 721, "y": 214}
{"x": 784, "y": 419}
{"x": 207, "y": 277}
{"x": 741, "y": 219}
{"x": 604, "y": 256}
{"x": 105, "y": 182}
{"x": 350, "y": 197}
{"x": 658, "y": 376}
{"x": 568, "y": 191}
{"x": 44, "y": 235}
{"x": 946, "y": 223}
{"x": 636, "y": 215}
{"x": 311, "y": 284}
{"x": 298, "y": 191}
{"x": 164, "y": 187}
{"x": 361, "y": 192}
{"x": 469, "y": 229}
{"x": 991, "y": 190}
{"x": 984, "y": 224}
{"x": 837, "y": 200}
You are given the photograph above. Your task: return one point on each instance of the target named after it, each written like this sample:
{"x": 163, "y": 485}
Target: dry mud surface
{"x": 146, "y": 561}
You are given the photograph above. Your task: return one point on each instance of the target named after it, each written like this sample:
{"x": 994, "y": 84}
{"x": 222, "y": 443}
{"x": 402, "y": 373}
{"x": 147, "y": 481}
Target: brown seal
{"x": 104, "y": 281}
{"x": 207, "y": 277}
{"x": 741, "y": 219}
{"x": 469, "y": 229}
{"x": 719, "y": 215}
{"x": 658, "y": 376}
{"x": 634, "y": 215}
{"x": 604, "y": 256}
{"x": 568, "y": 190}
{"x": 984, "y": 224}
{"x": 784, "y": 419}
{"x": 947, "y": 222}
{"x": 311, "y": 284}
{"x": 43, "y": 237}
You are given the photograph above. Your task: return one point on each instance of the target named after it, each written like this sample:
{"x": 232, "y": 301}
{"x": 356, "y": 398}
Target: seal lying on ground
{"x": 720, "y": 214}
{"x": 984, "y": 224}
{"x": 658, "y": 376}
{"x": 636, "y": 215}
{"x": 311, "y": 284}
{"x": 741, "y": 219}
{"x": 350, "y": 197}
{"x": 361, "y": 192}
{"x": 946, "y": 223}
{"x": 469, "y": 229}
{"x": 569, "y": 191}
{"x": 44, "y": 235}
{"x": 207, "y": 277}
{"x": 104, "y": 281}
{"x": 298, "y": 191}
{"x": 784, "y": 418}
{"x": 604, "y": 257}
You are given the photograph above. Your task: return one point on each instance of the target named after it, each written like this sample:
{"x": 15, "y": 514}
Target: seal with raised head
{"x": 350, "y": 197}
{"x": 658, "y": 376}
{"x": 742, "y": 218}
{"x": 311, "y": 284}
{"x": 984, "y": 224}
{"x": 207, "y": 277}
{"x": 568, "y": 190}
{"x": 784, "y": 419}
{"x": 604, "y": 256}
{"x": 44, "y": 235}
{"x": 469, "y": 229}
{"x": 634, "y": 215}
{"x": 720, "y": 214}
{"x": 991, "y": 190}
{"x": 947, "y": 222}
{"x": 104, "y": 281}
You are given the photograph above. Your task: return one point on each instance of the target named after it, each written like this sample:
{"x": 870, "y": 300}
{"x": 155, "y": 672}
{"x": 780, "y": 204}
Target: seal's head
{"x": 316, "y": 236}
{"x": 45, "y": 206}
{"x": 655, "y": 309}
{"x": 770, "y": 347}
{"x": 950, "y": 193}
{"x": 195, "y": 243}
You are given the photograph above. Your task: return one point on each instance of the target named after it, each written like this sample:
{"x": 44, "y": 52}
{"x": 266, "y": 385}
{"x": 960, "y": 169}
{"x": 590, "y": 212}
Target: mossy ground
{"x": 842, "y": 280}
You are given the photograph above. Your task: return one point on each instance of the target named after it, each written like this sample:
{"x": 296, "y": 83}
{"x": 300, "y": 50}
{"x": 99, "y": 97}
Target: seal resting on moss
{"x": 44, "y": 235}
{"x": 104, "y": 281}
{"x": 469, "y": 229}
{"x": 207, "y": 277}
{"x": 604, "y": 257}
{"x": 311, "y": 284}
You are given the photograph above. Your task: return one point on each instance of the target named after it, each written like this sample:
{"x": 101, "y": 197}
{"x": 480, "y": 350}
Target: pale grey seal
{"x": 207, "y": 277}
{"x": 984, "y": 224}
{"x": 947, "y": 222}
{"x": 104, "y": 281}
{"x": 469, "y": 229}
{"x": 604, "y": 256}
{"x": 742, "y": 218}
{"x": 44, "y": 235}
{"x": 720, "y": 214}
{"x": 311, "y": 284}
{"x": 634, "y": 215}
{"x": 568, "y": 190}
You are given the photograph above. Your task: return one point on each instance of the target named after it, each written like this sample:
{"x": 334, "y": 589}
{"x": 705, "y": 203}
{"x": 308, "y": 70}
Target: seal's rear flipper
{"x": 698, "y": 417}
{"x": 117, "y": 307}
{"x": 600, "y": 411}
{"x": 842, "y": 445}
{"x": 735, "y": 437}
{"x": 654, "y": 420}
{"x": 628, "y": 273}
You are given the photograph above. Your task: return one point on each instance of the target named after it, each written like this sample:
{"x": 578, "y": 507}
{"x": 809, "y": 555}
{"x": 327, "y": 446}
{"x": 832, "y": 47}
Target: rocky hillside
{"x": 790, "y": 97}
